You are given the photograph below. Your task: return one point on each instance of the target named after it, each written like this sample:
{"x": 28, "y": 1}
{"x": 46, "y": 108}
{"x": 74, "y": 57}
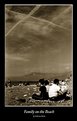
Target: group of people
{"x": 57, "y": 90}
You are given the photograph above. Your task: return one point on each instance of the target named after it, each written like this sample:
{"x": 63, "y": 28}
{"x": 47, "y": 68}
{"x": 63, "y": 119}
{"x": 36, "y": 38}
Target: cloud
{"x": 67, "y": 68}
{"x": 16, "y": 57}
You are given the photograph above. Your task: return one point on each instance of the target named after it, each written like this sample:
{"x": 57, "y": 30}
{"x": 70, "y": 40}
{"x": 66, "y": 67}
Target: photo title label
{"x": 39, "y": 112}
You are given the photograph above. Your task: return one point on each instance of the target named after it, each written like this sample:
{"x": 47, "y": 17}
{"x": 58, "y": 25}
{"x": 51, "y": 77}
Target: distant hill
{"x": 34, "y": 76}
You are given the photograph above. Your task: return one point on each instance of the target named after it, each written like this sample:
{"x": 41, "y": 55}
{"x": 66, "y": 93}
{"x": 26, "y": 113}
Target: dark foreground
{"x": 20, "y": 95}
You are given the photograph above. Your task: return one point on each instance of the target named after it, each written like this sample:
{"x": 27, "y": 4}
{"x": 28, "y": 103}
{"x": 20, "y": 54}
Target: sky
{"x": 40, "y": 43}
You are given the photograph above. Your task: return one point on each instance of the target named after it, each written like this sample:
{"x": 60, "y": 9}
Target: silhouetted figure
{"x": 47, "y": 85}
{"x": 43, "y": 93}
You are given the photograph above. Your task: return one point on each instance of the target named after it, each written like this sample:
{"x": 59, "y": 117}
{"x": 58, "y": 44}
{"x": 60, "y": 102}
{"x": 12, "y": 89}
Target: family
{"x": 55, "y": 91}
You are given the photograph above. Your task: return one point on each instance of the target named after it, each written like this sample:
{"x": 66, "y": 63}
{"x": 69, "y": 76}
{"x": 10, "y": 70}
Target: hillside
{"x": 36, "y": 76}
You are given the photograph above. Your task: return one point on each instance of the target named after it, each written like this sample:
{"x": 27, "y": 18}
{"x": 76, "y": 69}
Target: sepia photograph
{"x": 38, "y": 55}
